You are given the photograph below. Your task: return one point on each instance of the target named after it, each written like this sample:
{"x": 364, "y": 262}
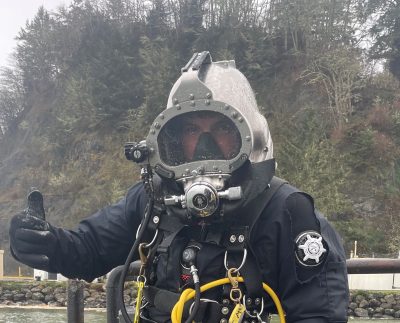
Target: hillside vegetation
{"x": 94, "y": 74}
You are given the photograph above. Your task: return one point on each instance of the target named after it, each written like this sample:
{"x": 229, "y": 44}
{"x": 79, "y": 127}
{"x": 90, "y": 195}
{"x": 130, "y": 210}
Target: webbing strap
{"x": 250, "y": 271}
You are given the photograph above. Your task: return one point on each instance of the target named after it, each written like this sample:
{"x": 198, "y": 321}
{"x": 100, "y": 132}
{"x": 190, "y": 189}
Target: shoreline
{"x": 49, "y": 307}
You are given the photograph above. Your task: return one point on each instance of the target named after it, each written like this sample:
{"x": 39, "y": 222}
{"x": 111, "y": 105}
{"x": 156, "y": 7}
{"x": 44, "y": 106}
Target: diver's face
{"x": 224, "y": 136}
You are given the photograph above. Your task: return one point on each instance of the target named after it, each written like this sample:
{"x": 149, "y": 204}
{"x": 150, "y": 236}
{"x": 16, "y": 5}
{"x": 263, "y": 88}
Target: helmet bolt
{"x": 248, "y": 301}
{"x": 226, "y": 106}
{"x": 223, "y": 321}
{"x": 234, "y": 115}
{"x": 157, "y": 125}
{"x": 208, "y": 95}
{"x": 191, "y": 96}
{"x": 240, "y": 119}
{"x": 257, "y": 301}
{"x": 162, "y": 116}
{"x": 156, "y": 219}
{"x": 232, "y": 238}
{"x": 224, "y": 310}
{"x": 241, "y": 238}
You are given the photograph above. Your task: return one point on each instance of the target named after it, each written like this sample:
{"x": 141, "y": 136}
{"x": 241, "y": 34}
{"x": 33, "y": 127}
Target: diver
{"x": 209, "y": 213}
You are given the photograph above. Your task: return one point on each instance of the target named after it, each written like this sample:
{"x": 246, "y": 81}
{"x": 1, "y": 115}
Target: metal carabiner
{"x": 233, "y": 280}
{"x": 235, "y": 293}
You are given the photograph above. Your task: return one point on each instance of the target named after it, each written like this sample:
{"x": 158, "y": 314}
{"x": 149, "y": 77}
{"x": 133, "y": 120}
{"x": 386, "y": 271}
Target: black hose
{"x": 196, "y": 297}
{"x": 143, "y": 227}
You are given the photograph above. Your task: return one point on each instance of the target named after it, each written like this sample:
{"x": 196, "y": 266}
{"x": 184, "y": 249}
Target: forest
{"x": 88, "y": 77}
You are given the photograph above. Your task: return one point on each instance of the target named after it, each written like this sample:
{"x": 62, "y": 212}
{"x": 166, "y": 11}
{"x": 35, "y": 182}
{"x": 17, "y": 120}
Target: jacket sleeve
{"x": 309, "y": 294}
{"x": 101, "y": 241}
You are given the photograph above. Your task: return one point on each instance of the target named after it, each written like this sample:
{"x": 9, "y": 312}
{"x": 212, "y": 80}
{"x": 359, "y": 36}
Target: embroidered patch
{"x": 310, "y": 249}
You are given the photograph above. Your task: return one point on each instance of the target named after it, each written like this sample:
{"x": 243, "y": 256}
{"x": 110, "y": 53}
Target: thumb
{"x": 35, "y": 204}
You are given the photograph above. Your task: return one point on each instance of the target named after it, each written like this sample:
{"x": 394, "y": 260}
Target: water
{"x": 34, "y": 315}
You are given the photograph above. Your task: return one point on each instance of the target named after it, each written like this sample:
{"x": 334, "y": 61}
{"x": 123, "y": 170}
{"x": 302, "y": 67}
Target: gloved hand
{"x": 32, "y": 241}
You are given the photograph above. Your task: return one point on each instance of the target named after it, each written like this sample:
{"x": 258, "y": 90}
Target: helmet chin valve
{"x": 202, "y": 199}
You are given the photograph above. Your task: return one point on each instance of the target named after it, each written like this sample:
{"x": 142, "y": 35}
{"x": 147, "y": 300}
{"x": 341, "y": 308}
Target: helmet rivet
{"x": 226, "y": 106}
{"x": 208, "y": 95}
{"x": 265, "y": 148}
{"x": 225, "y": 301}
{"x": 178, "y": 107}
{"x": 162, "y": 116}
{"x": 156, "y": 219}
{"x": 257, "y": 301}
{"x": 176, "y": 100}
{"x": 241, "y": 238}
{"x": 223, "y": 321}
{"x": 157, "y": 125}
{"x": 225, "y": 310}
{"x": 191, "y": 96}
{"x": 194, "y": 172}
{"x": 248, "y": 301}
{"x": 240, "y": 119}
{"x": 248, "y": 138}
{"x": 215, "y": 167}
{"x": 152, "y": 131}
{"x": 234, "y": 115}
{"x": 207, "y": 102}
{"x": 192, "y": 103}
{"x": 232, "y": 238}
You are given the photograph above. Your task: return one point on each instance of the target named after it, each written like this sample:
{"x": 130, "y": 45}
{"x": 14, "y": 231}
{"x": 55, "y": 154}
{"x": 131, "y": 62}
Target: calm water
{"x": 29, "y": 315}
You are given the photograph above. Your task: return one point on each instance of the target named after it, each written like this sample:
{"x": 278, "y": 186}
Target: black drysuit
{"x": 308, "y": 294}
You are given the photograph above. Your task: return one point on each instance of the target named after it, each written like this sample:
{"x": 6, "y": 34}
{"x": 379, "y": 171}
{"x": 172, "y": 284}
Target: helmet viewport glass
{"x": 199, "y": 135}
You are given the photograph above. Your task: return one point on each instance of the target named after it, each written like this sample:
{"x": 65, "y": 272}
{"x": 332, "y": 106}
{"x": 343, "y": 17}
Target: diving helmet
{"x": 210, "y": 129}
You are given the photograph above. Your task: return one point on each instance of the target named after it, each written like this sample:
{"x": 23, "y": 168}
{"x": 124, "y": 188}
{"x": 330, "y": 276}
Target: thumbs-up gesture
{"x": 32, "y": 239}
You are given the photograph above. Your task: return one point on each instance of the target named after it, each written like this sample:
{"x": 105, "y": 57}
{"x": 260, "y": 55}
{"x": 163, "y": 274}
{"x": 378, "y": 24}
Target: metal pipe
{"x": 373, "y": 266}
{"x": 112, "y": 289}
{"x": 75, "y": 306}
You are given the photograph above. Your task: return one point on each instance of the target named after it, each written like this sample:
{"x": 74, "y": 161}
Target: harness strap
{"x": 250, "y": 271}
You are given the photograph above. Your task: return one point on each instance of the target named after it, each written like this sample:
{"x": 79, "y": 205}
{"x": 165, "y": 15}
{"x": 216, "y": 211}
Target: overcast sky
{"x": 13, "y": 16}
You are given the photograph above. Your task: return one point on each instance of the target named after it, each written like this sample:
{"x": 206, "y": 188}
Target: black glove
{"x": 32, "y": 241}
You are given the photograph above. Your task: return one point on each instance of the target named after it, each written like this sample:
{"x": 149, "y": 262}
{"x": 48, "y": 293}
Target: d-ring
{"x": 241, "y": 265}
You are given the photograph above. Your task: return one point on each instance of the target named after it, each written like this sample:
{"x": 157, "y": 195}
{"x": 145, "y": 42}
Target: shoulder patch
{"x": 311, "y": 249}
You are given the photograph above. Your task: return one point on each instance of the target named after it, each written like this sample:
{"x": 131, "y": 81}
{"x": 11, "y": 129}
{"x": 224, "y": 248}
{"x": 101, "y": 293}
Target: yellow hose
{"x": 187, "y": 294}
